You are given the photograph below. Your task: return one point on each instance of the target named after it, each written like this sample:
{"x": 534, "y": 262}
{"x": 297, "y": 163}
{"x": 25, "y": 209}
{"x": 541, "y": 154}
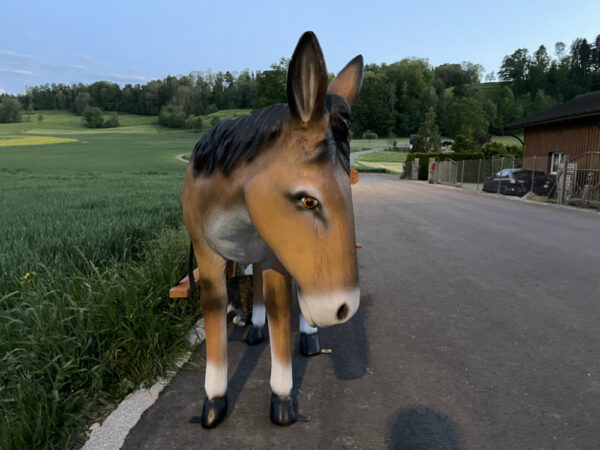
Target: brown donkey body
{"x": 273, "y": 189}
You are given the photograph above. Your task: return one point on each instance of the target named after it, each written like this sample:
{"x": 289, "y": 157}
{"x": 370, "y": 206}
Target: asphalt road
{"x": 479, "y": 328}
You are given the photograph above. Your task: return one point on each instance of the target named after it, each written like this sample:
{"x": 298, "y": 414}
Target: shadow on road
{"x": 349, "y": 343}
{"x": 245, "y": 367}
{"x": 350, "y": 355}
{"x": 421, "y": 428}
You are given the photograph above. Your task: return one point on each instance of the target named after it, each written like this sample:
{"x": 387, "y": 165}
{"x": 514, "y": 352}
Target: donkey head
{"x": 301, "y": 203}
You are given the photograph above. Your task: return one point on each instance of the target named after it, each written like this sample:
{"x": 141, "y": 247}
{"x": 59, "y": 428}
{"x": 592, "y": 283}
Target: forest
{"x": 396, "y": 99}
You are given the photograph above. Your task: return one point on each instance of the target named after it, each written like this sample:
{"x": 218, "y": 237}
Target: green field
{"x": 91, "y": 241}
{"x": 507, "y": 140}
{"x": 392, "y": 162}
{"x": 384, "y": 156}
{"x": 357, "y": 145}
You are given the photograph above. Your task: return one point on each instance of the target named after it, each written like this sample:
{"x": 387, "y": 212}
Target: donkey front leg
{"x": 213, "y": 296}
{"x": 256, "y": 334}
{"x": 284, "y": 408}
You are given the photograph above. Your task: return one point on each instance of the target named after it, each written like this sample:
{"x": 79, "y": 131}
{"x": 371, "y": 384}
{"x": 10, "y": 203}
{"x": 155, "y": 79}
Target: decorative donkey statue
{"x": 273, "y": 189}
{"x": 309, "y": 339}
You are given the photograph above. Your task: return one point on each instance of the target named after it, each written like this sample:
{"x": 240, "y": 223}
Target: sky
{"x": 138, "y": 41}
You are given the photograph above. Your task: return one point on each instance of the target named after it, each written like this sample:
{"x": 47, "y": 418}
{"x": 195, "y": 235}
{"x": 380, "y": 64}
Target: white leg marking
{"x": 281, "y": 377}
{"x": 305, "y": 327}
{"x": 258, "y": 316}
{"x": 215, "y": 383}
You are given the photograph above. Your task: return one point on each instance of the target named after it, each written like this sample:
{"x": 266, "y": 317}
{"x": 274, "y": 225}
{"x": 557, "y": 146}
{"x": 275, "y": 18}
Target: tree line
{"x": 396, "y": 99}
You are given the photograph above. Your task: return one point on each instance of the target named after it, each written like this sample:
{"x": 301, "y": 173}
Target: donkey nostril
{"x": 342, "y": 313}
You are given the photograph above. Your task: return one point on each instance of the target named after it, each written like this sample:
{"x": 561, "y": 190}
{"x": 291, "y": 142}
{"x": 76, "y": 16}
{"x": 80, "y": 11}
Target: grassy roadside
{"x": 91, "y": 242}
{"x": 74, "y": 340}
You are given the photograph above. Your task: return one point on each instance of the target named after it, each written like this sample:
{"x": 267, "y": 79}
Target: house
{"x": 567, "y": 131}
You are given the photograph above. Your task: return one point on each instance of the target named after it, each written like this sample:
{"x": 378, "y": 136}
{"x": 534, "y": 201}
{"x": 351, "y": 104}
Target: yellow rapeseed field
{"x": 33, "y": 140}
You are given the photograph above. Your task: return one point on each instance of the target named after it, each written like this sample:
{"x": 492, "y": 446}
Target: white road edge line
{"x": 115, "y": 428}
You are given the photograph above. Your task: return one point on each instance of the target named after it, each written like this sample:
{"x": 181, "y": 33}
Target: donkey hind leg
{"x": 213, "y": 296}
{"x": 309, "y": 339}
{"x": 284, "y": 408}
{"x": 256, "y": 334}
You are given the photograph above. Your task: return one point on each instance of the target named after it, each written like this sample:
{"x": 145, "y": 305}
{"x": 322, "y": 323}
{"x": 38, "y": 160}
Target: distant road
{"x": 355, "y": 155}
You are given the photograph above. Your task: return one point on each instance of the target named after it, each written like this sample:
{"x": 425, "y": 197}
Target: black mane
{"x": 232, "y": 140}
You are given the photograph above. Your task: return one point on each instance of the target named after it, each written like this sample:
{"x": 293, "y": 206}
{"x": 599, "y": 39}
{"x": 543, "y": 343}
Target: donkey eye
{"x": 309, "y": 202}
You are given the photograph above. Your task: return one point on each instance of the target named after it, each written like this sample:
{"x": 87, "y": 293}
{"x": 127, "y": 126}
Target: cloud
{"x": 18, "y": 72}
{"x": 17, "y": 57}
{"x": 119, "y": 77}
{"x": 136, "y": 78}
{"x": 62, "y": 67}
{"x": 2, "y": 91}
{"x": 90, "y": 60}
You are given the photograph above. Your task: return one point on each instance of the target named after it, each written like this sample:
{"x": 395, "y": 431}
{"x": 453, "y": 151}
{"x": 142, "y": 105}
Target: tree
{"x": 559, "y": 50}
{"x": 464, "y": 144}
{"x": 81, "y": 102}
{"x": 467, "y": 116}
{"x": 515, "y": 68}
{"x": 112, "y": 121}
{"x": 172, "y": 116}
{"x": 538, "y": 69}
{"x": 11, "y": 110}
{"x": 581, "y": 53}
{"x": 369, "y": 135}
{"x": 373, "y": 109}
{"x": 542, "y": 101}
{"x": 194, "y": 123}
{"x": 428, "y": 136}
{"x": 271, "y": 85}
{"x": 507, "y": 107}
{"x": 92, "y": 117}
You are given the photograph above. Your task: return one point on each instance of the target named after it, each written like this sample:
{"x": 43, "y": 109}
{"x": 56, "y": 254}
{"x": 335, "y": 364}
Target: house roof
{"x": 583, "y": 106}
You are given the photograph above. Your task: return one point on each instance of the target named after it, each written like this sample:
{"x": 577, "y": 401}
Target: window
{"x": 556, "y": 159}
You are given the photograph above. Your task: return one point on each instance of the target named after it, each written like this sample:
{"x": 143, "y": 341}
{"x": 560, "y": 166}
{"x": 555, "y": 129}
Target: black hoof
{"x": 255, "y": 336}
{"x": 214, "y": 411}
{"x": 309, "y": 344}
{"x": 284, "y": 411}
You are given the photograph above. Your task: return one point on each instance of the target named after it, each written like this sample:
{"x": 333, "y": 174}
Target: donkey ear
{"x": 307, "y": 79}
{"x": 348, "y": 81}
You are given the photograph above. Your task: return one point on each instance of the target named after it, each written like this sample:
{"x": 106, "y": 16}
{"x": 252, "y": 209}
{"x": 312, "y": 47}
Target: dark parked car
{"x": 517, "y": 182}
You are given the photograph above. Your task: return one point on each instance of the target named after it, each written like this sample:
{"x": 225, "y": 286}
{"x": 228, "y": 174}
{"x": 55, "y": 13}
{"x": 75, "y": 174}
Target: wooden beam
{"x": 182, "y": 289}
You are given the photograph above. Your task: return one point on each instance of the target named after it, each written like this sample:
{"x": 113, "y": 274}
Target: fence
{"x": 575, "y": 181}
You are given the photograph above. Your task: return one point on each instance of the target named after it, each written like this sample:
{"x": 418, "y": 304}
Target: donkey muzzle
{"x": 323, "y": 310}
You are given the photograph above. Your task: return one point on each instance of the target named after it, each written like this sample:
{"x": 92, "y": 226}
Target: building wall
{"x": 572, "y": 137}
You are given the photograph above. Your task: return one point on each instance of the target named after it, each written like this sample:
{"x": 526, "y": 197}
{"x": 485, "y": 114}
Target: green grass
{"x": 68, "y": 124}
{"x": 91, "y": 242}
{"x": 391, "y": 162}
{"x": 507, "y": 140}
{"x": 384, "y": 156}
{"x": 65, "y": 123}
{"x": 227, "y": 114}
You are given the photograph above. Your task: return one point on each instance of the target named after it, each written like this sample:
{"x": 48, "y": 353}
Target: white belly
{"x": 232, "y": 235}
